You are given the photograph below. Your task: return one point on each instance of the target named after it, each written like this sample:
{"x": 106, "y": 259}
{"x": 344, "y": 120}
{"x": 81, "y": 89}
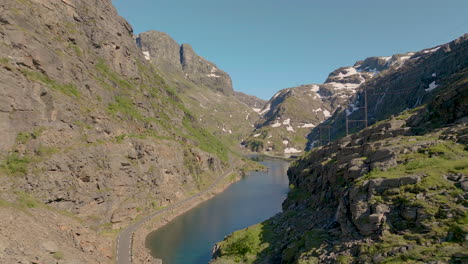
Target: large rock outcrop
{"x": 166, "y": 54}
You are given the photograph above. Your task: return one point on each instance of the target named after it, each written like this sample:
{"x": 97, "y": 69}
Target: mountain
{"x": 291, "y": 113}
{"x": 164, "y": 52}
{"x": 254, "y": 102}
{"x": 92, "y": 135}
{"x": 394, "y": 192}
{"x": 204, "y": 88}
{"x": 406, "y": 86}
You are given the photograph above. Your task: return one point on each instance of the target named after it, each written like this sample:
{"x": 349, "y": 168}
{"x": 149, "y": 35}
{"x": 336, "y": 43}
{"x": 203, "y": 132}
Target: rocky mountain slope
{"x": 403, "y": 87}
{"x": 204, "y": 88}
{"x": 92, "y": 136}
{"x": 393, "y": 193}
{"x": 289, "y": 117}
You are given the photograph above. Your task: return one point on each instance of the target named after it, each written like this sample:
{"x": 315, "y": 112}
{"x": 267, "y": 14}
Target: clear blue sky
{"x": 268, "y": 45}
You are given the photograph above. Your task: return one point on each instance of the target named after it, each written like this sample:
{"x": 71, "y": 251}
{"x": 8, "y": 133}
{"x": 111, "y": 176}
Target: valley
{"x": 115, "y": 146}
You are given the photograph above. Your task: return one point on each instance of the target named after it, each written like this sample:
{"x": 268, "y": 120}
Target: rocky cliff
{"x": 164, "y": 52}
{"x": 204, "y": 88}
{"x": 394, "y": 192}
{"x": 92, "y": 136}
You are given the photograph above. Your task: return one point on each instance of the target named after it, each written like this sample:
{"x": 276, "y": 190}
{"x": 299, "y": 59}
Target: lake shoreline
{"x": 142, "y": 254}
{"x": 237, "y": 203}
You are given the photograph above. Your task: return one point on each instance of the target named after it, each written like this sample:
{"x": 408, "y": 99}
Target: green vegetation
{"x": 25, "y": 200}
{"x": 441, "y": 215}
{"x": 15, "y": 165}
{"x": 43, "y": 151}
{"x": 58, "y": 255}
{"x": 77, "y": 49}
{"x": 206, "y": 141}
{"x": 434, "y": 161}
{"x": 114, "y": 77}
{"x": 4, "y": 61}
{"x": 125, "y": 106}
{"x": 244, "y": 245}
{"x": 255, "y": 145}
{"x": 24, "y": 137}
{"x": 68, "y": 89}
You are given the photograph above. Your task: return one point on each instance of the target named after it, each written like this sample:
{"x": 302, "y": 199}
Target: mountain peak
{"x": 167, "y": 55}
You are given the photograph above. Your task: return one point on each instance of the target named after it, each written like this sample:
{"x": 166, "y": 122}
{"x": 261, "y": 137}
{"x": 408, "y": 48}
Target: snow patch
{"x": 432, "y": 50}
{"x": 349, "y": 71}
{"x": 291, "y": 150}
{"x": 315, "y": 88}
{"x": 373, "y": 71}
{"x": 213, "y": 75}
{"x": 277, "y": 124}
{"x": 285, "y": 142}
{"x": 326, "y": 113}
{"x": 276, "y": 95}
{"x": 265, "y": 109}
{"x": 403, "y": 58}
{"x": 344, "y": 86}
{"x": 432, "y": 86}
{"x": 257, "y": 110}
{"x": 147, "y": 55}
{"x": 434, "y": 74}
{"x": 306, "y": 126}
{"x": 257, "y": 135}
{"x": 290, "y": 128}
{"x": 353, "y": 108}
{"x": 287, "y": 121}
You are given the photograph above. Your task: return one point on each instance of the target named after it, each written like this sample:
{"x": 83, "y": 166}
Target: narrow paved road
{"x": 124, "y": 240}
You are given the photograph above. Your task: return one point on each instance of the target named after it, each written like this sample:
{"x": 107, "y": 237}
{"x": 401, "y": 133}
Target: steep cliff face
{"x": 394, "y": 192}
{"x": 205, "y": 89}
{"x": 88, "y": 127}
{"x": 167, "y": 55}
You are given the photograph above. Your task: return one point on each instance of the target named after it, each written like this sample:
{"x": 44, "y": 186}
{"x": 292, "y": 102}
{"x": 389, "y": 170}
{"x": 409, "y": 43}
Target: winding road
{"x": 125, "y": 238}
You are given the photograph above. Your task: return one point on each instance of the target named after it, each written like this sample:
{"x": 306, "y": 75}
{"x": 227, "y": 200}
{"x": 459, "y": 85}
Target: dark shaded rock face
{"x": 173, "y": 58}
